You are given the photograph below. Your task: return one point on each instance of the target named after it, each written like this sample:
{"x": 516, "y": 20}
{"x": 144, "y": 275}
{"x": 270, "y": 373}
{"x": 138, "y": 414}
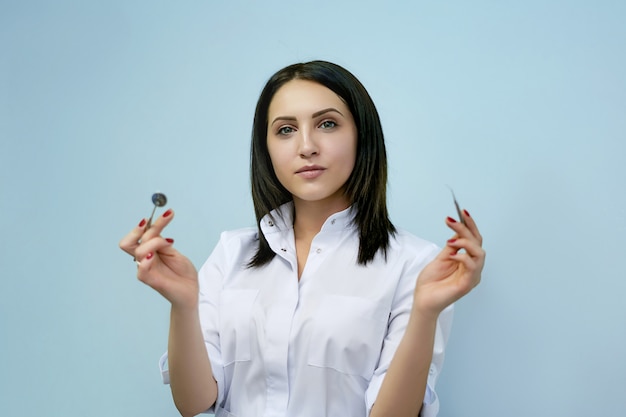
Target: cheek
{"x": 348, "y": 154}
{"x": 278, "y": 159}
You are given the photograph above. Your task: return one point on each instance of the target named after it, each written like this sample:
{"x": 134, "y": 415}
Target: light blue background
{"x": 520, "y": 106}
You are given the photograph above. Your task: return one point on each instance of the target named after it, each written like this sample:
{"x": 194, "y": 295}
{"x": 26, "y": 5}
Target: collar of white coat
{"x": 281, "y": 219}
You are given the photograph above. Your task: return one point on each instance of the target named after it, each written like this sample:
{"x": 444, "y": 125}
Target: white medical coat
{"x": 315, "y": 347}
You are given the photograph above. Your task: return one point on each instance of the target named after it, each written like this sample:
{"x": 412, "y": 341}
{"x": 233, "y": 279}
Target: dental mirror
{"x": 159, "y": 200}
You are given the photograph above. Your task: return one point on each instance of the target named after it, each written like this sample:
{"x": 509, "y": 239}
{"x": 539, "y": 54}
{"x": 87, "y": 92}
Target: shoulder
{"x": 404, "y": 242}
{"x": 234, "y": 247}
{"x": 231, "y": 254}
{"x": 409, "y": 250}
{"x": 239, "y": 237}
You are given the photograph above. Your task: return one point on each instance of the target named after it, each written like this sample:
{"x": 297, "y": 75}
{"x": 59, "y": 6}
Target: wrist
{"x": 424, "y": 316}
{"x": 189, "y": 307}
{"x": 186, "y": 298}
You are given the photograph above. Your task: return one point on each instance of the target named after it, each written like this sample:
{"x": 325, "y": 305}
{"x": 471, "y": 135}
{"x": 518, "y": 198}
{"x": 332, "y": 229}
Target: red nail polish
{"x": 451, "y": 220}
{"x": 167, "y": 213}
{"x": 142, "y": 223}
{"x": 149, "y": 255}
{"x": 466, "y": 213}
{"x": 451, "y": 240}
{"x": 169, "y": 239}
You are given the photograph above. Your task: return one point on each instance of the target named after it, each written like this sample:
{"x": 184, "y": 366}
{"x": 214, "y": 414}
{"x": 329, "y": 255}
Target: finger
{"x": 156, "y": 245}
{"x": 464, "y": 230}
{"x": 144, "y": 270}
{"x": 473, "y": 259}
{"x": 142, "y": 264}
{"x": 448, "y": 249}
{"x": 158, "y": 225}
{"x": 471, "y": 246}
{"x": 472, "y": 275}
{"x": 471, "y": 225}
{"x": 130, "y": 242}
{"x": 155, "y": 250}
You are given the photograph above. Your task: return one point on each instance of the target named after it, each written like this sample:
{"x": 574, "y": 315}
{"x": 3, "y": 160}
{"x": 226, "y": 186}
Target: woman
{"x": 319, "y": 311}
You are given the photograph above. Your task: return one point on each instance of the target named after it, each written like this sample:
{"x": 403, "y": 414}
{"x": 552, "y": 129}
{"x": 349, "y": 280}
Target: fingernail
{"x": 451, "y": 220}
{"x": 149, "y": 255}
{"x": 167, "y": 213}
{"x": 142, "y": 223}
{"x": 466, "y": 213}
{"x": 451, "y": 240}
{"x": 169, "y": 239}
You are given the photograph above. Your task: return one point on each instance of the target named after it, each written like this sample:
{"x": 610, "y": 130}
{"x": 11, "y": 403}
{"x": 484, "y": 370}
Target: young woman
{"x": 324, "y": 309}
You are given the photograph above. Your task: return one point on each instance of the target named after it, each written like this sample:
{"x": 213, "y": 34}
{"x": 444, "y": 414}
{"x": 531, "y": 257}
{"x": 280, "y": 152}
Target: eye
{"x": 328, "y": 124}
{"x": 285, "y": 130}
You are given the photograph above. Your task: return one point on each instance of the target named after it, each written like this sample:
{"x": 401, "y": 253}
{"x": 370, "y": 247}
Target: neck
{"x": 310, "y": 216}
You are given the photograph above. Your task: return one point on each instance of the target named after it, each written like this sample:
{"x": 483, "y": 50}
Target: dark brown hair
{"x": 366, "y": 187}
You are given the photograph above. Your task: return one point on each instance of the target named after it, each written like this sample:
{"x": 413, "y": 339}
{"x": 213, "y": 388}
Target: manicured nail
{"x": 142, "y": 223}
{"x": 451, "y": 240}
{"x": 169, "y": 239}
{"x": 167, "y": 213}
{"x": 149, "y": 255}
{"x": 466, "y": 213}
{"x": 451, "y": 220}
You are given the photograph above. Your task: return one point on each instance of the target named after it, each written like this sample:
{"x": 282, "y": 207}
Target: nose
{"x": 307, "y": 146}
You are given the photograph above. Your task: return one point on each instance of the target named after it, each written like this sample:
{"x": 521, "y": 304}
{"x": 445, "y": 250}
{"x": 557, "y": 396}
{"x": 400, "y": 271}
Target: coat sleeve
{"x": 210, "y": 280}
{"x": 398, "y": 320}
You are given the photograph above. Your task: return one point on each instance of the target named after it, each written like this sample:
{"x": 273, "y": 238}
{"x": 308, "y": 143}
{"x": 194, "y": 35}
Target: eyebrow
{"x": 313, "y": 116}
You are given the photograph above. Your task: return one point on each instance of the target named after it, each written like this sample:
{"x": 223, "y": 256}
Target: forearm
{"x": 191, "y": 379}
{"x": 404, "y": 386}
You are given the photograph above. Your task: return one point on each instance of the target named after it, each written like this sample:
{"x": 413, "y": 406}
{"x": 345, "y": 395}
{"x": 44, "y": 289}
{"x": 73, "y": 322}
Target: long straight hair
{"x": 366, "y": 188}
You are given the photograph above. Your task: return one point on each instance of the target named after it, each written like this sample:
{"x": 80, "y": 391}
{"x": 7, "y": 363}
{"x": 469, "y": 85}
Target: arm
{"x": 171, "y": 274}
{"x": 450, "y": 276}
{"x": 191, "y": 379}
{"x": 404, "y": 386}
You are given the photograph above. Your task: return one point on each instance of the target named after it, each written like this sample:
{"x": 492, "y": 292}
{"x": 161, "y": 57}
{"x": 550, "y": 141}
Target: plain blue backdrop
{"x": 520, "y": 106}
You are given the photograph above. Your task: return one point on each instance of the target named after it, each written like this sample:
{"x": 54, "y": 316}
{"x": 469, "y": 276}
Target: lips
{"x": 310, "y": 171}
{"x": 309, "y": 168}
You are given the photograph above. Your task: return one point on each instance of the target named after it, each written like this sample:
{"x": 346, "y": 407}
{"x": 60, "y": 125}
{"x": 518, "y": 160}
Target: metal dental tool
{"x": 159, "y": 200}
{"x": 458, "y": 209}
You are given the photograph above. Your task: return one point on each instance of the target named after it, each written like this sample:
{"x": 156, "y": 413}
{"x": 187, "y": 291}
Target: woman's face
{"x": 312, "y": 140}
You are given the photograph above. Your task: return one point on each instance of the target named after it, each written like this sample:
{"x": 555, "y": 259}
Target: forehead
{"x": 303, "y": 97}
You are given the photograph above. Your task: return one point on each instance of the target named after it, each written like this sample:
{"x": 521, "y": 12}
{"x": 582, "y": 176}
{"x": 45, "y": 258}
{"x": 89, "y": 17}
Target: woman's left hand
{"x": 453, "y": 273}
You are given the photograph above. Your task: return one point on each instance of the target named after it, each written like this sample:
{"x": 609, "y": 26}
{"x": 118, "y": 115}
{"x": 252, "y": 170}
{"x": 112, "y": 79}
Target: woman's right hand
{"x": 161, "y": 266}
